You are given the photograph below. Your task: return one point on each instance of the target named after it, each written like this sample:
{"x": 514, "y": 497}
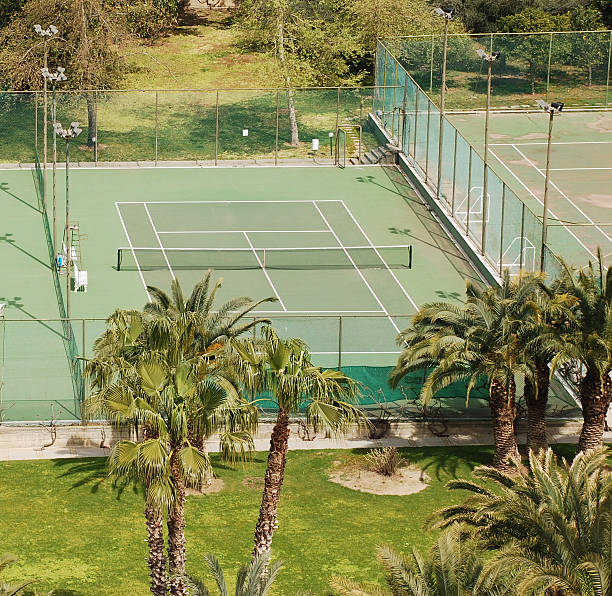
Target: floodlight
{"x": 552, "y": 108}
{"x": 488, "y": 57}
{"x": 54, "y": 77}
{"x": 331, "y": 134}
{"x": 71, "y": 132}
{"x": 51, "y": 31}
{"x": 446, "y": 12}
{"x": 482, "y": 53}
{"x": 38, "y": 29}
{"x": 2, "y": 307}
{"x": 557, "y": 105}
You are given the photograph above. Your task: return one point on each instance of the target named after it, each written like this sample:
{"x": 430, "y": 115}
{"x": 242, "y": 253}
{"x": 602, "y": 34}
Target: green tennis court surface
{"x": 580, "y": 193}
{"x": 347, "y": 253}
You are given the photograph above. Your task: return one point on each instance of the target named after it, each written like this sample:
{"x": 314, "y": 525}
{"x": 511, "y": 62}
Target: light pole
{"x": 489, "y": 59}
{"x": 68, "y": 134}
{"x": 552, "y": 109}
{"x": 54, "y": 78}
{"x": 46, "y": 34}
{"x": 447, "y": 15}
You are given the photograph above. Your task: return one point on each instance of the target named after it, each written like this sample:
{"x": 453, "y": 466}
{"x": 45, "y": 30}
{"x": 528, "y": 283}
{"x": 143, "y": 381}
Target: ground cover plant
{"x": 77, "y": 534}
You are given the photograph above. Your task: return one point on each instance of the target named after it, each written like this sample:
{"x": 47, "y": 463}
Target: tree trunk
{"x": 275, "y": 471}
{"x": 595, "y": 398}
{"x": 157, "y": 558}
{"x": 536, "y": 398}
{"x": 176, "y": 531}
{"x": 590, "y": 75}
{"x": 295, "y": 137}
{"x": 502, "y": 402}
{"x": 92, "y": 119}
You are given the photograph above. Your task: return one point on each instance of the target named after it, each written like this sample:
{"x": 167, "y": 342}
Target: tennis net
{"x": 327, "y": 257}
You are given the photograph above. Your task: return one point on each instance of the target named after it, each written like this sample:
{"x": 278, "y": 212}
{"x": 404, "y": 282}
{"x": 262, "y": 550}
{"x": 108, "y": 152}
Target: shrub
{"x": 385, "y": 461}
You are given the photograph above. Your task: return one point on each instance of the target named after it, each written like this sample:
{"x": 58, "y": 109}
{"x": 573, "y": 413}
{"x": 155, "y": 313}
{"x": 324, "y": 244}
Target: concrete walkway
{"x": 28, "y": 443}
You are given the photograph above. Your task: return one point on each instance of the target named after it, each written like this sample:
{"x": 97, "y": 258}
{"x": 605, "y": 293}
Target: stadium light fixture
{"x": 552, "y": 108}
{"x": 47, "y": 34}
{"x": 447, "y": 14}
{"x": 2, "y": 307}
{"x": 489, "y": 59}
{"x": 331, "y": 144}
{"x": 54, "y": 78}
{"x": 68, "y": 134}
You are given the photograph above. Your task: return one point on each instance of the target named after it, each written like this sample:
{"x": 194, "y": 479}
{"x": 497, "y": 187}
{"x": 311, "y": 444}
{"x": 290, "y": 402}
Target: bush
{"x": 385, "y": 461}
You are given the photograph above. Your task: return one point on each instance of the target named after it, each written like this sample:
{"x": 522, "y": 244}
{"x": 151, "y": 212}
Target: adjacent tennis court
{"x": 580, "y": 192}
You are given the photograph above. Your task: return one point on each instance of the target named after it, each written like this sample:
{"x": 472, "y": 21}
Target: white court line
{"x": 541, "y": 170}
{"x": 144, "y": 283}
{"x": 246, "y": 231}
{"x": 566, "y": 197}
{"x": 397, "y": 281}
{"x": 540, "y": 202}
{"x": 280, "y": 301}
{"x": 365, "y": 281}
{"x": 343, "y": 352}
{"x": 159, "y": 241}
{"x": 305, "y": 312}
{"x": 221, "y": 202}
{"x": 553, "y": 144}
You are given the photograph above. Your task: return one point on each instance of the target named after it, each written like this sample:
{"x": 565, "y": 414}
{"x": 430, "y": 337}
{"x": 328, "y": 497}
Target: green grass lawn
{"x": 77, "y": 534}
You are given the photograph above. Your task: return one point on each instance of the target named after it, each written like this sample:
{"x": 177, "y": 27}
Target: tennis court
{"x": 580, "y": 192}
{"x": 348, "y": 254}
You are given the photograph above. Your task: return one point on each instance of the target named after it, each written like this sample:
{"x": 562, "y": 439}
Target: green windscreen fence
{"x": 505, "y": 230}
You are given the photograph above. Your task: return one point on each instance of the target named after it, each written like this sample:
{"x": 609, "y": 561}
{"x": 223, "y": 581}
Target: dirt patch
{"x": 253, "y": 482}
{"x": 602, "y": 124}
{"x": 215, "y": 486}
{"x": 406, "y": 481}
{"x": 597, "y": 200}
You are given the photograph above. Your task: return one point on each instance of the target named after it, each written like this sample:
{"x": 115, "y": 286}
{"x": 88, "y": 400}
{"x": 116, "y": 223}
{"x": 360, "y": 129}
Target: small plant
{"x": 385, "y": 461}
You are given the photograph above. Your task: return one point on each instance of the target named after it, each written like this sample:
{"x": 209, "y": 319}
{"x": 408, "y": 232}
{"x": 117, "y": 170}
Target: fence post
{"x": 156, "y": 125}
{"x": 431, "y": 65}
{"x": 36, "y": 119}
{"x": 404, "y": 149}
{"x": 217, "y": 129}
{"x": 608, "y": 75}
{"x": 549, "y": 59}
{"x": 83, "y": 355}
{"x": 384, "y": 88}
{"x": 501, "y": 230}
{"x": 427, "y": 141}
{"x": 394, "y": 102}
{"x": 454, "y": 174}
{"x": 416, "y": 119}
{"x": 469, "y": 194}
{"x": 339, "y": 343}
{"x": 522, "y": 236}
{"x": 276, "y": 138}
{"x": 338, "y": 109}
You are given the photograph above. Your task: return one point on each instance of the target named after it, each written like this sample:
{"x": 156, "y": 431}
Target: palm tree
{"x": 538, "y": 315}
{"x": 466, "y": 342}
{"x": 10, "y": 589}
{"x": 283, "y": 367}
{"x": 553, "y": 524}
{"x": 589, "y": 341}
{"x": 453, "y": 567}
{"x": 254, "y": 579}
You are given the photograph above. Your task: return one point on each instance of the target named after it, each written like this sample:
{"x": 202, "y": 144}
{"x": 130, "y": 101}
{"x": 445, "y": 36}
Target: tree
{"x": 283, "y": 368}
{"x": 87, "y": 47}
{"x": 551, "y": 527}
{"x": 312, "y": 41}
{"x": 589, "y": 342}
{"x": 453, "y": 567}
{"x": 532, "y": 49}
{"x": 589, "y": 49}
{"x": 254, "y": 579}
{"x": 457, "y": 343}
{"x": 10, "y": 589}
{"x": 538, "y": 316}
{"x": 7, "y": 9}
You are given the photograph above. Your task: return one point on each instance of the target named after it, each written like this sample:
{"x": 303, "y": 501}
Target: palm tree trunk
{"x": 176, "y": 531}
{"x": 503, "y": 412}
{"x": 595, "y": 394}
{"x": 536, "y": 401}
{"x": 157, "y": 558}
{"x": 275, "y": 471}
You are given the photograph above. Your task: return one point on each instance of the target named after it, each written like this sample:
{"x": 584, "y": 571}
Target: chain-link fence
{"x": 574, "y": 66}
{"x": 211, "y": 126}
{"x": 505, "y": 230}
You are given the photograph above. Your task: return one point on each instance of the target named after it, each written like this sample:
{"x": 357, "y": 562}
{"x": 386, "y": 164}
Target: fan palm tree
{"x": 10, "y": 589}
{"x": 466, "y": 342}
{"x": 254, "y": 579}
{"x": 553, "y": 524}
{"x": 453, "y": 567}
{"x": 538, "y": 315}
{"x": 283, "y": 368}
{"x": 589, "y": 342}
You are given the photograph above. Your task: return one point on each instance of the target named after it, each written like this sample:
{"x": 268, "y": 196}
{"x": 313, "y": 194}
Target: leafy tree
{"x": 532, "y": 49}
{"x": 589, "y": 49}
{"x": 254, "y": 579}
{"x": 86, "y": 46}
{"x": 468, "y": 342}
{"x": 312, "y": 41}
{"x": 283, "y": 368}
{"x": 589, "y": 342}
{"x": 551, "y": 527}
{"x": 453, "y": 567}
{"x": 150, "y": 19}
{"x": 7, "y": 9}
